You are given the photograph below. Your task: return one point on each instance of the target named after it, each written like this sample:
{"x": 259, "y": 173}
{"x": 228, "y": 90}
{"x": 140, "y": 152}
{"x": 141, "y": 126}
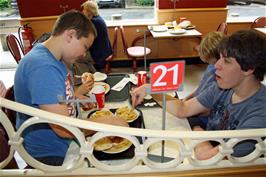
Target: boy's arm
{"x": 61, "y": 109}
{"x": 181, "y": 109}
{"x": 204, "y": 150}
{"x": 191, "y": 95}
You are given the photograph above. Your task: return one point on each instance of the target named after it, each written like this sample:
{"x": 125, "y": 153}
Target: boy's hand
{"x": 138, "y": 94}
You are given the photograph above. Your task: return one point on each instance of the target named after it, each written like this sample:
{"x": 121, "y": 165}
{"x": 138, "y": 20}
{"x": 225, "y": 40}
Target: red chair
{"x": 14, "y": 47}
{"x": 133, "y": 52}
{"x": 223, "y": 28}
{"x": 259, "y": 22}
{"x": 4, "y": 146}
{"x": 114, "y": 47}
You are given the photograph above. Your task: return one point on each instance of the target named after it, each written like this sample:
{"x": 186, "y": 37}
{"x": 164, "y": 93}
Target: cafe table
{"x": 152, "y": 117}
{"x": 168, "y": 34}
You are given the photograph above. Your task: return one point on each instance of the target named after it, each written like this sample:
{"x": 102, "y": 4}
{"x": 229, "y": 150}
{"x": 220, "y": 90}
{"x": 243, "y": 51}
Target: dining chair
{"x": 259, "y": 22}
{"x": 4, "y": 146}
{"x": 10, "y": 113}
{"x": 108, "y": 60}
{"x": 134, "y": 51}
{"x": 14, "y": 47}
{"x": 223, "y": 28}
{"x": 5, "y": 149}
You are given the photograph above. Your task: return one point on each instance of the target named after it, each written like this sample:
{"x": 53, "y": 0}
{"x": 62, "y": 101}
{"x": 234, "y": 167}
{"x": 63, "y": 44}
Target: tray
{"x": 115, "y": 96}
{"x": 130, "y": 152}
{"x": 151, "y": 102}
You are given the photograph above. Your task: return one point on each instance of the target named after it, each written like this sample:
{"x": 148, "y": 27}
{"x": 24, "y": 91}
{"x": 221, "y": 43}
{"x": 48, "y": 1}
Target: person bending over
{"x": 42, "y": 76}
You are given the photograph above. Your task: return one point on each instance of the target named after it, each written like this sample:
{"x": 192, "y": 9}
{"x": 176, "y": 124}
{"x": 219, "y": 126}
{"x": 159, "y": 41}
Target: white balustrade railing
{"x": 185, "y": 141}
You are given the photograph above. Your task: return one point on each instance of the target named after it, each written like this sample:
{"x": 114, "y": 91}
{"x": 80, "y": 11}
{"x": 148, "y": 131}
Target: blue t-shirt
{"x": 101, "y": 47}
{"x": 207, "y": 79}
{"x": 39, "y": 79}
{"x": 248, "y": 114}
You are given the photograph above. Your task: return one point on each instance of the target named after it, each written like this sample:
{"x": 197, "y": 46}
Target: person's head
{"x": 90, "y": 8}
{"x": 76, "y": 32}
{"x": 242, "y": 55}
{"x": 208, "y": 49}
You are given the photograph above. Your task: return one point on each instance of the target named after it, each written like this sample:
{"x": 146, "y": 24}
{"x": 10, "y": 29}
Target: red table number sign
{"x": 167, "y": 76}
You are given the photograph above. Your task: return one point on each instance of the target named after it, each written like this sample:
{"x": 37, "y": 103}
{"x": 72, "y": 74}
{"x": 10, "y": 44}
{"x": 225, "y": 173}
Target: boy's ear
{"x": 69, "y": 34}
{"x": 248, "y": 72}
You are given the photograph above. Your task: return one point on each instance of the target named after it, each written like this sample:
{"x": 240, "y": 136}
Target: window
{"x": 254, "y": 9}
{"x": 126, "y": 9}
{"x": 144, "y": 9}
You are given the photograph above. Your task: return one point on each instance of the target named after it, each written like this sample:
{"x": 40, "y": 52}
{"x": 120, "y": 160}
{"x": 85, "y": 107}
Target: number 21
{"x": 164, "y": 70}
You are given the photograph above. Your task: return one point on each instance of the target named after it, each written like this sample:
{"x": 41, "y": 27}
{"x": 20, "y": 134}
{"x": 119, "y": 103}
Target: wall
{"x": 161, "y": 48}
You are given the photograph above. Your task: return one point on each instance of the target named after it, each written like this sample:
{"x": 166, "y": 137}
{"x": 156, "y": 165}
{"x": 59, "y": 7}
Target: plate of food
{"x": 169, "y": 25}
{"x": 127, "y": 113}
{"x": 98, "y": 76}
{"x": 177, "y": 31}
{"x": 105, "y": 85}
{"x": 112, "y": 145}
{"x": 190, "y": 27}
{"x": 100, "y": 113}
{"x": 159, "y": 28}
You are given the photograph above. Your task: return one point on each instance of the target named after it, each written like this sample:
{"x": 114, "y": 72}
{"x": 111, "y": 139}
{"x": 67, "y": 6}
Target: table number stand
{"x": 163, "y": 125}
{"x": 165, "y": 77}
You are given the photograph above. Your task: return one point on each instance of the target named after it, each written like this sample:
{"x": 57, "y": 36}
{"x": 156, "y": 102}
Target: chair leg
{"x": 134, "y": 64}
{"x": 107, "y": 67}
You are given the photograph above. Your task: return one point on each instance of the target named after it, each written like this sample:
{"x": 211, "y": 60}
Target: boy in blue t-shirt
{"x": 42, "y": 76}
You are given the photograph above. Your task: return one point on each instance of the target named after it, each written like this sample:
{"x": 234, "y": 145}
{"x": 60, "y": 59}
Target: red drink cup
{"x": 142, "y": 78}
{"x": 99, "y": 92}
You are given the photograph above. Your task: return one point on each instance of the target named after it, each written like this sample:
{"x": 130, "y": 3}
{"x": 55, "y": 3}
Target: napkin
{"x": 133, "y": 79}
{"x": 121, "y": 84}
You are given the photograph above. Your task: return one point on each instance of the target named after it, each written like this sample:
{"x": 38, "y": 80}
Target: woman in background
{"x": 101, "y": 49}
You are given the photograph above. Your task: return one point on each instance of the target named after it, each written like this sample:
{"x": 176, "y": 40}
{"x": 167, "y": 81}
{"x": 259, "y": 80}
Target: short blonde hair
{"x": 208, "y": 49}
{"x": 91, "y": 7}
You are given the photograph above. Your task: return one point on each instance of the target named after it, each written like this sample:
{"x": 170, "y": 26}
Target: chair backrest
{"x": 14, "y": 47}
{"x": 141, "y": 37}
{"x": 5, "y": 150}
{"x": 10, "y": 113}
{"x": 259, "y": 22}
{"x": 123, "y": 36}
{"x": 4, "y": 146}
{"x": 114, "y": 48}
{"x": 223, "y": 28}
{"x": 114, "y": 44}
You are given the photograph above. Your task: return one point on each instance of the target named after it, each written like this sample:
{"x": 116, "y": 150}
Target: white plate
{"x": 133, "y": 119}
{"x": 178, "y": 31}
{"x": 105, "y": 85}
{"x": 104, "y": 112}
{"x": 148, "y": 97}
{"x": 99, "y": 76}
{"x": 190, "y": 27}
{"x": 172, "y": 94}
{"x": 160, "y": 28}
{"x": 120, "y": 147}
